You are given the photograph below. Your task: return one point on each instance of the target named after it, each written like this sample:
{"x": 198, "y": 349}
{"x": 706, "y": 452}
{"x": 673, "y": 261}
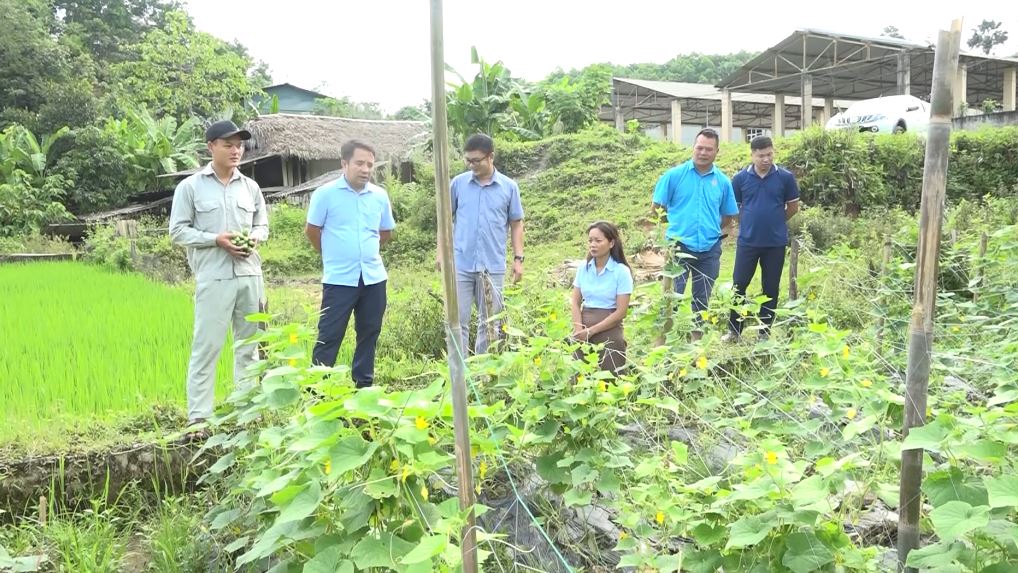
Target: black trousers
{"x": 771, "y": 261}
{"x": 367, "y": 304}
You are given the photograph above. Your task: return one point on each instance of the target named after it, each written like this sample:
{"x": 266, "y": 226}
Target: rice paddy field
{"x": 79, "y": 343}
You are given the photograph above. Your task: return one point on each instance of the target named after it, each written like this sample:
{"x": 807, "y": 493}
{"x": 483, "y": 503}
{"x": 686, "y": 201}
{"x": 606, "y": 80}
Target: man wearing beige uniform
{"x": 210, "y": 208}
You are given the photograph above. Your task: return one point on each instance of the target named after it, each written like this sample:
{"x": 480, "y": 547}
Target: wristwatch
{"x": 518, "y": 258}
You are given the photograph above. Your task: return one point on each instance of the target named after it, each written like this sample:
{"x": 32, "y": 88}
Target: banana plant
{"x": 484, "y": 104}
{"x": 21, "y": 150}
{"x": 155, "y": 146}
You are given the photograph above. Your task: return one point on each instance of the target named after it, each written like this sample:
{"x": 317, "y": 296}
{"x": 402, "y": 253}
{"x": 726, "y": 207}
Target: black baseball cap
{"x": 224, "y": 130}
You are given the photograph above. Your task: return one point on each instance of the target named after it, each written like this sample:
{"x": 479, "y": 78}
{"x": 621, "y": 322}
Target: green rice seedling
{"x": 82, "y": 343}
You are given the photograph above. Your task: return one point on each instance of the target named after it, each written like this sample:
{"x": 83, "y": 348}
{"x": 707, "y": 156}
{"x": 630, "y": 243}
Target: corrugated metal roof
{"x": 684, "y": 90}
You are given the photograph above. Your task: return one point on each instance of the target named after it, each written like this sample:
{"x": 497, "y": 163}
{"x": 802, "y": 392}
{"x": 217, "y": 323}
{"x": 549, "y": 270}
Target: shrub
{"x": 154, "y": 254}
{"x": 287, "y": 252}
{"x": 35, "y": 243}
{"x": 26, "y": 209}
{"x": 983, "y": 162}
{"x": 834, "y": 168}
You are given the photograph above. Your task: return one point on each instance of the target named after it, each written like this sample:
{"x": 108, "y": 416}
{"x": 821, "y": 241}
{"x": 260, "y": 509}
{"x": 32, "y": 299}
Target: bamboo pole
{"x": 920, "y": 344}
{"x": 453, "y": 337}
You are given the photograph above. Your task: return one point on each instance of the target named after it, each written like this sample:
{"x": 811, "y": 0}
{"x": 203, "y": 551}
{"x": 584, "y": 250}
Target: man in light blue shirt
{"x": 348, "y": 221}
{"x": 698, "y": 200}
{"x": 486, "y": 209}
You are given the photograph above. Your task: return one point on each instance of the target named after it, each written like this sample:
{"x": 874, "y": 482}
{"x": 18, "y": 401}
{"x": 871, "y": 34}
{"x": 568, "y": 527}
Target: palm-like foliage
{"x": 155, "y": 146}
{"x": 496, "y": 104}
{"x": 21, "y": 150}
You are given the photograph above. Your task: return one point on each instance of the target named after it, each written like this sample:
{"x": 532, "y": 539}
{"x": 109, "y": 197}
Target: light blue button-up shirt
{"x": 481, "y": 221}
{"x": 350, "y": 223}
{"x": 599, "y": 289}
{"x": 695, "y": 204}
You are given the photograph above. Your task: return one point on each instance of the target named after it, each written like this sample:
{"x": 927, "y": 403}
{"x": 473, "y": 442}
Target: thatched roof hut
{"x": 313, "y": 138}
{"x": 287, "y": 150}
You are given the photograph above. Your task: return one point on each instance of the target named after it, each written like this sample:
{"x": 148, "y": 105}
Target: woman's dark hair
{"x": 610, "y": 232}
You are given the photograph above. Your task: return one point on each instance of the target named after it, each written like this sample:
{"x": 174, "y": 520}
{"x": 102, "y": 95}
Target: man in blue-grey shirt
{"x": 697, "y": 199}
{"x": 348, "y": 222}
{"x": 486, "y": 209}
{"x": 768, "y": 196}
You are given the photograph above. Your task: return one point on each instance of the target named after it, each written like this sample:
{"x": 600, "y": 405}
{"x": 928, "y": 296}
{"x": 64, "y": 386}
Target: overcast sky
{"x": 378, "y": 50}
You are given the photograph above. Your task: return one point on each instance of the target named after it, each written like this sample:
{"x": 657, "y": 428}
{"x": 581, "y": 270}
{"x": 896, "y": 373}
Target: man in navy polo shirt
{"x": 768, "y": 197}
{"x": 698, "y": 201}
{"x": 348, "y": 221}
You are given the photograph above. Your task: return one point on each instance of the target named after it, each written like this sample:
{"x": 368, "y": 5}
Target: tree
{"x": 892, "y": 32}
{"x": 344, "y": 107}
{"x": 74, "y": 105}
{"x": 695, "y": 68}
{"x": 576, "y": 100}
{"x": 94, "y": 161}
{"x": 420, "y": 112}
{"x": 258, "y": 74}
{"x": 31, "y": 60}
{"x": 987, "y": 35}
{"x": 105, "y": 29}
{"x": 181, "y": 72}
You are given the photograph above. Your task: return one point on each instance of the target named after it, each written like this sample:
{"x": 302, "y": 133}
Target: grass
{"x": 90, "y": 358}
{"x": 79, "y": 342}
{"x": 118, "y": 536}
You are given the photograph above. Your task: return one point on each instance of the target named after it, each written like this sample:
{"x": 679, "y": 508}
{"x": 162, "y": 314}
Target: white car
{"x": 889, "y": 114}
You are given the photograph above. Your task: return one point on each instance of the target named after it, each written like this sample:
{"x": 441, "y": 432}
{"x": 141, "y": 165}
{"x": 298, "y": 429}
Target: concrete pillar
{"x": 778, "y": 126}
{"x": 904, "y": 74}
{"x": 828, "y": 109}
{"x": 726, "y": 115}
{"x": 620, "y": 122}
{"x": 960, "y": 90}
{"x": 1010, "y": 87}
{"x": 806, "y": 109}
{"x": 676, "y": 121}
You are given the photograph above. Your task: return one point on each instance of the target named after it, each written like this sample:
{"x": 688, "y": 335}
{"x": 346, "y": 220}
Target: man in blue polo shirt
{"x": 348, "y": 221}
{"x": 768, "y": 197}
{"x": 486, "y": 210}
{"x": 698, "y": 201}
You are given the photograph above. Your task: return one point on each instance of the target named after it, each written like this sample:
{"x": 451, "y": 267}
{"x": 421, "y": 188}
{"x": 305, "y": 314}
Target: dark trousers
{"x": 771, "y": 261}
{"x": 703, "y": 267}
{"x": 367, "y": 303}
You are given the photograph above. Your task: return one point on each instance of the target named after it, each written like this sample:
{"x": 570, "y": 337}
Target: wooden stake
{"x": 42, "y": 511}
{"x": 453, "y": 337}
{"x": 129, "y": 228}
{"x": 667, "y": 286}
{"x": 980, "y": 261}
{"x": 884, "y": 264}
{"x": 920, "y": 344}
{"x": 793, "y": 270}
